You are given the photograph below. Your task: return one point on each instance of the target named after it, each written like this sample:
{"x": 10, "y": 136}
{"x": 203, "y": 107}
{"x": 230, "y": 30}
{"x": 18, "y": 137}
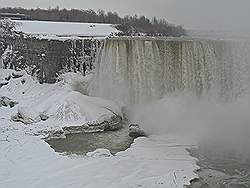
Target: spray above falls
{"x": 138, "y": 70}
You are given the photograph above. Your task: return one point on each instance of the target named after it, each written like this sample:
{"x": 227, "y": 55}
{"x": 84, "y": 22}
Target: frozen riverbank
{"x": 27, "y": 161}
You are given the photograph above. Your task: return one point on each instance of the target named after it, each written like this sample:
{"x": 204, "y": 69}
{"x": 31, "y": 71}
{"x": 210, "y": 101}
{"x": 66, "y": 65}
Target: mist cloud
{"x": 227, "y": 124}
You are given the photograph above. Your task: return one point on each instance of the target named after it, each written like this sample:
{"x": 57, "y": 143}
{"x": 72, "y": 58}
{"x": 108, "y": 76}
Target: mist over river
{"x": 198, "y": 88}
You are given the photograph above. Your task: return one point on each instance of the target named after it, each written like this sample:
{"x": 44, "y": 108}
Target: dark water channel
{"x": 81, "y": 144}
{"x": 221, "y": 167}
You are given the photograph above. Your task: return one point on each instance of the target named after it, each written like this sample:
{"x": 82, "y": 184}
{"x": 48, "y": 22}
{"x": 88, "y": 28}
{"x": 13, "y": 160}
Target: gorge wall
{"x": 46, "y": 59}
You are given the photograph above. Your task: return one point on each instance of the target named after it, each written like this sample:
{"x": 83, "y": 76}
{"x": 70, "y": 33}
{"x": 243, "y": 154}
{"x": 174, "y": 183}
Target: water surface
{"x": 81, "y": 144}
{"x": 221, "y": 167}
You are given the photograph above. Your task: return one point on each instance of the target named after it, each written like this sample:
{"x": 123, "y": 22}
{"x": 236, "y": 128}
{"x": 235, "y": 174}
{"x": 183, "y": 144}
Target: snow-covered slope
{"x": 65, "y": 29}
{"x": 58, "y": 102}
{"x": 155, "y": 162}
{"x": 27, "y": 161}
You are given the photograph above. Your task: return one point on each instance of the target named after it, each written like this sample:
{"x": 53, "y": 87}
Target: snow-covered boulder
{"x": 79, "y": 109}
{"x": 5, "y": 101}
{"x": 3, "y": 83}
{"x": 71, "y": 109}
{"x": 135, "y": 131}
{"x": 59, "y": 104}
{"x": 76, "y": 81}
{"x": 99, "y": 153}
{"x": 18, "y": 74}
{"x": 55, "y": 134}
{"x": 26, "y": 115}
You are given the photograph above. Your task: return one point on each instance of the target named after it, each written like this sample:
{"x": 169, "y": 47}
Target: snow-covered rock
{"x": 17, "y": 74}
{"x": 70, "y": 108}
{"x": 5, "y": 101}
{"x": 99, "y": 153}
{"x": 135, "y": 131}
{"x": 26, "y": 115}
{"x": 59, "y": 104}
{"x": 76, "y": 81}
{"x": 3, "y": 83}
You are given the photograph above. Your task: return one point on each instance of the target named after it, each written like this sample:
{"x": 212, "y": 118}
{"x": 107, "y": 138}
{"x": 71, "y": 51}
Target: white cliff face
{"x": 135, "y": 71}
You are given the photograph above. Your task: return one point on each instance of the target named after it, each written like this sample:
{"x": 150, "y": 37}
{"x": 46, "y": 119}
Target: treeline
{"x": 129, "y": 25}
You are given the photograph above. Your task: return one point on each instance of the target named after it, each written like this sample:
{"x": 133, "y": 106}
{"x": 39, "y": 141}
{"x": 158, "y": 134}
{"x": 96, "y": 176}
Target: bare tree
{"x": 129, "y": 25}
{"x": 7, "y": 28}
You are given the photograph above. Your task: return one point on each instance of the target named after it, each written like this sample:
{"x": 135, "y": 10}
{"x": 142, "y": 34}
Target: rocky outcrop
{"x": 27, "y": 117}
{"x": 3, "y": 83}
{"x": 16, "y": 75}
{"x": 115, "y": 123}
{"x": 46, "y": 59}
{"x": 22, "y": 117}
{"x": 7, "y": 102}
{"x": 109, "y": 125}
{"x": 135, "y": 131}
{"x": 99, "y": 153}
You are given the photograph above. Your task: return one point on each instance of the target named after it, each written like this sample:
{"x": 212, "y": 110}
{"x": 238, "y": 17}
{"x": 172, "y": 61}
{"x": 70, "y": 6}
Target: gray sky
{"x": 192, "y": 14}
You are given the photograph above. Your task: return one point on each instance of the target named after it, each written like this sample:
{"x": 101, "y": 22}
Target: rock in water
{"x": 55, "y": 134}
{"x": 99, "y": 153}
{"x": 135, "y": 131}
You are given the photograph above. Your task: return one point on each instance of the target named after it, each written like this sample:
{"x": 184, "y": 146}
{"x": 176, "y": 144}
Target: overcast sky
{"x": 192, "y": 14}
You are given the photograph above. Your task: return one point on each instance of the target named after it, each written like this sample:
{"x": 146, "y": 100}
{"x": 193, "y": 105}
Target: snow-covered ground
{"x": 63, "y": 30}
{"x": 26, "y": 161}
{"x": 59, "y": 102}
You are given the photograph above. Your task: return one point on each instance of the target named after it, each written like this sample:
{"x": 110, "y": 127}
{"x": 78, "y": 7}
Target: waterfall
{"x": 138, "y": 70}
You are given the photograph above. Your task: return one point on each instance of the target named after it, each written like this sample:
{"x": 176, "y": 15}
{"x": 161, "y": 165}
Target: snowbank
{"x": 77, "y": 82}
{"x": 27, "y": 161}
{"x": 64, "y": 29}
{"x": 154, "y": 162}
{"x": 58, "y": 102}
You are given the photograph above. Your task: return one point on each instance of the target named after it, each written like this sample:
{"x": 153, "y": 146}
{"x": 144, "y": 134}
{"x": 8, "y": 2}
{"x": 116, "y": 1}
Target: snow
{"x": 99, "y": 153}
{"x": 52, "y": 30}
{"x": 64, "y": 106}
{"x": 27, "y": 161}
{"x": 76, "y": 81}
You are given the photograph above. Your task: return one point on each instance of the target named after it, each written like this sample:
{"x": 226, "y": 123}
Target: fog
{"x": 226, "y": 124}
{"x": 192, "y": 14}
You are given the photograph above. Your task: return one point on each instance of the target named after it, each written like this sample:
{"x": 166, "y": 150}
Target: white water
{"x": 136, "y": 70}
{"x": 203, "y": 86}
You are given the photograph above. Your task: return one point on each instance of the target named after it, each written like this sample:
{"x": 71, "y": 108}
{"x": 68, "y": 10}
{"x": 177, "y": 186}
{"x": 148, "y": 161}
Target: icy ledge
{"x": 112, "y": 124}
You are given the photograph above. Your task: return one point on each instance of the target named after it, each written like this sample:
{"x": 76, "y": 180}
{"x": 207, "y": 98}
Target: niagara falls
{"x": 108, "y": 94}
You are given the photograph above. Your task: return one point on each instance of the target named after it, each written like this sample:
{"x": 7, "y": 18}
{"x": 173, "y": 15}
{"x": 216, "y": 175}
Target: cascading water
{"x": 138, "y": 70}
